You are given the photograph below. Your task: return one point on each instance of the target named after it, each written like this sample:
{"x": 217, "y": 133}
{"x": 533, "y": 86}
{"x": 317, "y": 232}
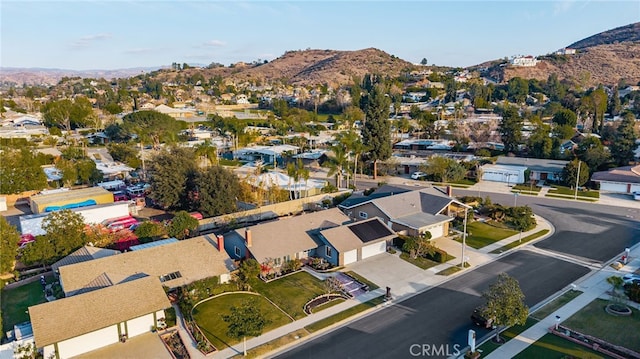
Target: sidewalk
{"x": 593, "y": 287}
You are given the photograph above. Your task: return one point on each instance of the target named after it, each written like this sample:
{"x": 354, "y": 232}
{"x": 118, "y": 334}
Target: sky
{"x": 117, "y": 34}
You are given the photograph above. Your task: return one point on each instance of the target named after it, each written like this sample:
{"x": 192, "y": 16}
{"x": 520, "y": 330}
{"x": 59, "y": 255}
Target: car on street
{"x": 479, "y": 320}
{"x": 418, "y": 175}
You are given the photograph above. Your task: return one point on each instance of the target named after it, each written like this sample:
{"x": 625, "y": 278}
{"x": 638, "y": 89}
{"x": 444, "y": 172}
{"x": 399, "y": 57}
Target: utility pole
{"x": 464, "y": 235}
{"x": 575, "y": 195}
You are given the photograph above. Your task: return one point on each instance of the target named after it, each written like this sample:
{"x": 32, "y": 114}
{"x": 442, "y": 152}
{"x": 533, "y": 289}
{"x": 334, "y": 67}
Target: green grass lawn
{"x": 16, "y": 301}
{"x": 449, "y": 271}
{"x": 517, "y": 243}
{"x": 554, "y": 347}
{"x": 422, "y": 262}
{"x": 208, "y": 316}
{"x": 594, "y": 321}
{"x": 328, "y": 305}
{"x": 344, "y": 314}
{"x": 555, "y": 304}
{"x": 526, "y": 188}
{"x": 551, "y": 195}
{"x": 261, "y": 350}
{"x": 292, "y": 292}
{"x": 507, "y": 334}
{"x": 481, "y": 234}
{"x": 569, "y": 191}
{"x": 363, "y": 280}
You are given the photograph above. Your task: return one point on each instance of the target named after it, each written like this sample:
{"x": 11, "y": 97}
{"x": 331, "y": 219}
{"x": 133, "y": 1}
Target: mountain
{"x": 44, "y": 76}
{"x": 604, "y": 58}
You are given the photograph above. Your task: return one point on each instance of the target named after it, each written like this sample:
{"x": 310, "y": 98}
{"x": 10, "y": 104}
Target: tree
{"x": 505, "y": 303}
{"x": 9, "y": 238}
{"x": 443, "y": 169}
{"x": 565, "y": 117}
{"x": 218, "y": 190}
{"x": 624, "y": 146}
{"x": 424, "y": 61}
{"x": 599, "y": 106}
{"x": 153, "y": 127}
{"x": 245, "y": 320}
{"x": 511, "y": 129}
{"x": 570, "y": 172}
{"x": 336, "y": 162}
{"x": 148, "y": 231}
{"x": 419, "y": 246}
{"x": 249, "y": 270}
{"x": 182, "y": 225}
{"x": 207, "y": 151}
{"x": 124, "y": 153}
{"x": 540, "y": 144}
{"x": 64, "y": 233}
{"x": 20, "y": 171}
{"x": 521, "y": 218}
{"x": 170, "y": 170}
{"x": 376, "y": 134}
{"x": 615, "y": 105}
{"x": 616, "y": 284}
{"x": 592, "y": 151}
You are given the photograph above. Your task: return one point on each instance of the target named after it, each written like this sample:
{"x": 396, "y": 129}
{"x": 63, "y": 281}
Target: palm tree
{"x": 208, "y": 151}
{"x": 337, "y": 162}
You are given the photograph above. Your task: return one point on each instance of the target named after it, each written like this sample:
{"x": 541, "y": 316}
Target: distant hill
{"x": 628, "y": 33}
{"x": 604, "y": 58}
{"x": 44, "y": 76}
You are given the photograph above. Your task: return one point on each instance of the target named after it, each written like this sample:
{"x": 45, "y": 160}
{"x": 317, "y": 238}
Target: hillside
{"x": 43, "y": 76}
{"x": 314, "y": 67}
{"x": 628, "y": 33}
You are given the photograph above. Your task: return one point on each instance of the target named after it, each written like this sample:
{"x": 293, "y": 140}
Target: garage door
{"x": 350, "y": 256}
{"x": 373, "y": 249}
{"x": 613, "y": 187}
{"x": 436, "y": 232}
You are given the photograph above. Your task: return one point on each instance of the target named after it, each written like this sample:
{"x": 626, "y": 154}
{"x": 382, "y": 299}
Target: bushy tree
{"x": 170, "y": 170}
{"x": 20, "y": 171}
{"x": 153, "y": 127}
{"x": 624, "y": 146}
{"x": 245, "y": 320}
{"x": 124, "y": 153}
{"x": 592, "y": 151}
{"x": 149, "y": 230}
{"x": 182, "y": 225}
{"x": 570, "y": 173}
{"x": 511, "y": 129}
{"x": 218, "y": 191}
{"x": 9, "y": 238}
{"x": 540, "y": 144}
{"x": 64, "y": 234}
{"x": 443, "y": 169}
{"x": 249, "y": 270}
{"x": 505, "y": 303}
{"x": 565, "y": 117}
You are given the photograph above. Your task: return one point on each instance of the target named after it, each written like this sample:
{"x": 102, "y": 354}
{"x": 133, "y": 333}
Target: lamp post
{"x": 557, "y": 321}
{"x": 575, "y": 195}
{"x": 515, "y": 199}
{"x": 464, "y": 235}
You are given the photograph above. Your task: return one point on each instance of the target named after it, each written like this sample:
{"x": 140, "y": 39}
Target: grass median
{"x": 523, "y": 241}
{"x": 344, "y": 314}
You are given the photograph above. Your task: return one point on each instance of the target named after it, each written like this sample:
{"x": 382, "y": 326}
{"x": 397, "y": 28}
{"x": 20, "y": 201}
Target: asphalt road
{"x": 587, "y": 231}
{"x": 440, "y": 316}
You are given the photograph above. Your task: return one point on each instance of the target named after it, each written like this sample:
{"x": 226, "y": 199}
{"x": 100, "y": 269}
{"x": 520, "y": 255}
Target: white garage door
{"x": 436, "y": 232}
{"x": 373, "y": 249}
{"x": 350, "y": 257}
{"x": 613, "y": 187}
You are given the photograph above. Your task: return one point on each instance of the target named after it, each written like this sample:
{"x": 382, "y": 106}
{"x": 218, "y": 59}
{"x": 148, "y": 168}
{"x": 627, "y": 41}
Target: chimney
{"x": 220, "y": 238}
{"x": 449, "y": 191}
{"x": 247, "y": 236}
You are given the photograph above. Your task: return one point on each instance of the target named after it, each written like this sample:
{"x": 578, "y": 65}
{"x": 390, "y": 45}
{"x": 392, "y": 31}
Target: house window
{"x": 277, "y": 261}
{"x": 236, "y": 251}
{"x": 363, "y": 215}
{"x": 327, "y": 251}
{"x": 170, "y": 276}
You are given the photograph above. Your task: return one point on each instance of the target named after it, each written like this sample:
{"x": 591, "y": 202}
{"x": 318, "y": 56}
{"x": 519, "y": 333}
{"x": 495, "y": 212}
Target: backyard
{"x": 208, "y": 316}
{"x": 291, "y": 292}
{"x": 481, "y": 234}
{"x": 16, "y": 302}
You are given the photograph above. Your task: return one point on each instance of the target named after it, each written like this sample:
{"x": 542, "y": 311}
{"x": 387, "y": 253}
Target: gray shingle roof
{"x": 84, "y": 254}
{"x": 534, "y": 164}
{"x": 420, "y": 220}
{"x": 70, "y": 317}
{"x": 427, "y": 200}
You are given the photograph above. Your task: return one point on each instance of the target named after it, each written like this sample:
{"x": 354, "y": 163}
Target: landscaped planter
{"x": 322, "y": 299}
{"x": 618, "y": 310}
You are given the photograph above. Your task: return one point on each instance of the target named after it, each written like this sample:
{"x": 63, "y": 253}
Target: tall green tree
{"x": 615, "y": 105}
{"x": 570, "y": 172}
{"x": 170, "y": 170}
{"x": 505, "y": 303}
{"x": 245, "y": 320}
{"x": 511, "y": 129}
{"x": 9, "y": 238}
{"x": 218, "y": 191}
{"x": 624, "y": 146}
{"x": 183, "y": 225}
{"x": 64, "y": 233}
{"x": 565, "y": 117}
{"x": 444, "y": 169}
{"x": 153, "y": 127}
{"x": 592, "y": 151}
{"x": 540, "y": 143}
{"x": 376, "y": 134}
{"x": 20, "y": 171}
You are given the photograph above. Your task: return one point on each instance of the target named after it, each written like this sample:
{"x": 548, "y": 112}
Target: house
{"x": 382, "y": 191}
{"x": 509, "y": 174}
{"x": 566, "y": 51}
{"x": 176, "y": 264}
{"x": 540, "y": 169}
{"x": 283, "y": 239}
{"x": 524, "y": 61}
{"x": 353, "y": 242}
{"x": 297, "y": 189}
{"x": 174, "y": 112}
{"x": 83, "y": 254}
{"x": 620, "y": 180}
{"x": 267, "y": 154}
{"x": 411, "y": 213}
{"x": 75, "y": 325}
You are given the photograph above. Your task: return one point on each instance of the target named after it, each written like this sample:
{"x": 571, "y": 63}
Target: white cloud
{"x": 562, "y": 6}
{"x": 86, "y": 41}
{"x": 215, "y": 43}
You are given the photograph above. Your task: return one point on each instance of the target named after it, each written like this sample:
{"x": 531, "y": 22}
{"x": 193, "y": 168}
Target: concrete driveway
{"x": 388, "y": 270}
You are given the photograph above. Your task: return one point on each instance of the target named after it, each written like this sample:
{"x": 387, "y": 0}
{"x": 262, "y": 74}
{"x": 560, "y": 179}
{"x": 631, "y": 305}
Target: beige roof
{"x": 83, "y": 254}
{"x": 426, "y": 200}
{"x": 194, "y": 258}
{"x": 73, "y": 316}
{"x": 344, "y": 239}
{"x": 43, "y": 199}
{"x": 291, "y": 235}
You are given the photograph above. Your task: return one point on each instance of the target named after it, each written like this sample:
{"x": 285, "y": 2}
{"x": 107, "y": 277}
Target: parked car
{"x": 418, "y": 175}
{"x": 120, "y": 196}
{"x": 479, "y": 320}
{"x": 631, "y": 278}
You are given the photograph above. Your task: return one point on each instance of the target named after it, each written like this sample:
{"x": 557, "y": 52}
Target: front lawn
{"x": 552, "y": 346}
{"x": 480, "y": 234}
{"x": 16, "y": 302}
{"x": 555, "y": 304}
{"x": 208, "y": 316}
{"x": 523, "y": 241}
{"x": 594, "y": 321}
{"x": 323, "y": 323}
{"x": 507, "y": 335}
{"x": 422, "y": 262}
{"x": 292, "y": 292}
{"x": 526, "y": 188}
{"x": 556, "y": 189}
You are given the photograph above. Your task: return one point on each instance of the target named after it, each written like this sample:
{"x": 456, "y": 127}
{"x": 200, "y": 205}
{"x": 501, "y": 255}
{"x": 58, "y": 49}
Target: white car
{"x": 418, "y": 175}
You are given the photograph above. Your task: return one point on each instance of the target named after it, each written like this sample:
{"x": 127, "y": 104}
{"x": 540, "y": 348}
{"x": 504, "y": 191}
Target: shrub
{"x": 633, "y": 292}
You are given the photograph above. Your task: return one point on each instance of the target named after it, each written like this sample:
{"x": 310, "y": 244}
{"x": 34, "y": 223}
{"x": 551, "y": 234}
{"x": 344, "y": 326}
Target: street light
{"x": 515, "y": 199}
{"x": 557, "y": 321}
{"x": 464, "y": 234}
{"x": 575, "y": 195}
